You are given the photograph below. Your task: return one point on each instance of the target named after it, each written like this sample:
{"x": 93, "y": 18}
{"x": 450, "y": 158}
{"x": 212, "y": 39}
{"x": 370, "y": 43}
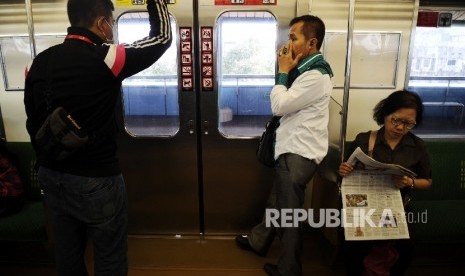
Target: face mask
{"x": 101, "y": 30}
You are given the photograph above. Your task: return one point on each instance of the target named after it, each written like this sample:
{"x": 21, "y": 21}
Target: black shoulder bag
{"x": 265, "y": 149}
{"x": 60, "y": 135}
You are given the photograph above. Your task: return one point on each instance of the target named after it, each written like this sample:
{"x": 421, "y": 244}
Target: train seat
{"x": 437, "y": 213}
{"x": 29, "y": 223}
{"x": 442, "y": 206}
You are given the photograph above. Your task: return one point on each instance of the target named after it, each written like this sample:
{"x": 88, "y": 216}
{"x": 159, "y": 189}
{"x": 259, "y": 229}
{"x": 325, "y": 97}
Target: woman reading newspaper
{"x": 393, "y": 143}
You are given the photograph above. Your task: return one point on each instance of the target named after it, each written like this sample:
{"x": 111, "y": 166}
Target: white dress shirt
{"x": 303, "y": 128}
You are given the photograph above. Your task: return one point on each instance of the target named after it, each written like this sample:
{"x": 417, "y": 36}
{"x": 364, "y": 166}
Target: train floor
{"x": 217, "y": 256}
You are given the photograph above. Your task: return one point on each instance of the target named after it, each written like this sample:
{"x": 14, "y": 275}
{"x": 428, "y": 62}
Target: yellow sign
{"x": 129, "y": 3}
{"x": 135, "y": 3}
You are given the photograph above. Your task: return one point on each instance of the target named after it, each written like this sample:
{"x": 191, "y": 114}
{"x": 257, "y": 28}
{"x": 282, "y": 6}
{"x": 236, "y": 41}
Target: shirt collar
{"x": 407, "y": 139}
{"x": 87, "y": 33}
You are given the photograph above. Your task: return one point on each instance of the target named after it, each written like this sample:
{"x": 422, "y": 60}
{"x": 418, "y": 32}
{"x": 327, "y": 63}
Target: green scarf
{"x": 315, "y": 61}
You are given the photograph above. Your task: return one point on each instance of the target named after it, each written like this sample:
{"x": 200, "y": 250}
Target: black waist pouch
{"x": 60, "y": 136}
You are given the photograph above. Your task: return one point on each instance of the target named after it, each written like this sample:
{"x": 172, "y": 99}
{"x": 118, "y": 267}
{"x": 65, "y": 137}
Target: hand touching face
{"x": 297, "y": 47}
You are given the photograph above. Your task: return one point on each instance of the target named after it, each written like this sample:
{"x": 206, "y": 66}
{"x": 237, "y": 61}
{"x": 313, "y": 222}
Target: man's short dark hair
{"x": 313, "y": 27}
{"x": 82, "y": 13}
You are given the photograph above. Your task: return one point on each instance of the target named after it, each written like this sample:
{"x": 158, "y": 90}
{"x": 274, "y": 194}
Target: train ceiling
{"x": 457, "y": 15}
{"x": 442, "y": 3}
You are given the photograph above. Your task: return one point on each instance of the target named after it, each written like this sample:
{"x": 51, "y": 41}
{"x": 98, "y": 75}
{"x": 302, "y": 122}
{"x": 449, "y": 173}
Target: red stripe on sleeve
{"x": 120, "y": 59}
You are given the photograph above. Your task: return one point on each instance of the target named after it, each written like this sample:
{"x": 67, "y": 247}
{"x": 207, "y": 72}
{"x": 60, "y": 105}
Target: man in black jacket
{"x": 85, "y": 192}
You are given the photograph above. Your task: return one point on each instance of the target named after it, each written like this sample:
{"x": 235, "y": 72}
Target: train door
{"x": 192, "y": 120}
{"x": 158, "y": 147}
{"x": 246, "y": 35}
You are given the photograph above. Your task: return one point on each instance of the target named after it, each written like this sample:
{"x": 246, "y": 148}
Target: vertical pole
{"x": 345, "y": 101}
{"x": 30, "y": 25}
{"x": 412, "y": 39}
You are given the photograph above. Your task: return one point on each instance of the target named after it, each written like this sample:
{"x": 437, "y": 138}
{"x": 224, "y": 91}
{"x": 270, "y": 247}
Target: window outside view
{"x": 246, "y": 70}
{"x": 437, "y": 74}
{"x": 150, "y": 97}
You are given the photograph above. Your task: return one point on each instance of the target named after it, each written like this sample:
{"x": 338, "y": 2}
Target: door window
{"x": 150, "y": 97}
{"x": 246, "y": 70}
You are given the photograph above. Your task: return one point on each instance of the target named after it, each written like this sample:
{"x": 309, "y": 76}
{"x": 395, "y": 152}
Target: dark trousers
{"x": 356, "y": 251}
{"x": 87, "y": 208}
{"x": 293, "y": 172}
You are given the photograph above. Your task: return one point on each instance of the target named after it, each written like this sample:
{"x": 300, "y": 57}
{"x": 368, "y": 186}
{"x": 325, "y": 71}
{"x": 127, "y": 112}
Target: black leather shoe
{"x": 271, "y": 269}
{"x": 243, "y": 243}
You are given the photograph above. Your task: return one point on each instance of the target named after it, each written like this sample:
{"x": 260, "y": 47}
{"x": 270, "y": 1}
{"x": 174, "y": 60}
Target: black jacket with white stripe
{"x": 85, "y": 77}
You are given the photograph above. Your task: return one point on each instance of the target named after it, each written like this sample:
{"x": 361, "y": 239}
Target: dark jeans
{"x": 293, "y": 172}
{"x": 83, "y": 208}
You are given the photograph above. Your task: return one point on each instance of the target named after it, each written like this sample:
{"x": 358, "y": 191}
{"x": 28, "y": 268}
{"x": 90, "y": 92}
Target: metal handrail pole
{"x": 345, "y": 100}
{"x": 30, "y": 26}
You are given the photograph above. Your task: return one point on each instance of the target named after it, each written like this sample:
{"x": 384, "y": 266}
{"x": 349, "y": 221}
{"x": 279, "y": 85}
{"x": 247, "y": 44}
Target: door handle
{"x": 205, "y": 127}
{"x": 191, "y": 126}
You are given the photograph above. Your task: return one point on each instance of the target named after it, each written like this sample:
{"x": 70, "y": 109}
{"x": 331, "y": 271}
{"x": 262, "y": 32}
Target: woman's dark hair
{"x": 82, "y": 13}
{"x": 312, "y": 26}
{"x": 395, "y": 101}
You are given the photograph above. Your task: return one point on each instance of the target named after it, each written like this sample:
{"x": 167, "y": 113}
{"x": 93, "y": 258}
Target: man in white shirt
{"x": 301, "y": 96}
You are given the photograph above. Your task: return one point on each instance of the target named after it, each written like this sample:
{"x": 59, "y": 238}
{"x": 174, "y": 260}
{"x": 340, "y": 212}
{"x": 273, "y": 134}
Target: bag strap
{"x": 371, "y": 142}
{"x": 48, "y": 87}
{"x": 49, "y": 100}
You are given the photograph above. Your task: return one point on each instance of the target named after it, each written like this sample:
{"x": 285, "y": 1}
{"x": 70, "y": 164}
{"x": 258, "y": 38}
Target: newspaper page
{"x": 372, "y": 205}
{"x": 360, "y": 160}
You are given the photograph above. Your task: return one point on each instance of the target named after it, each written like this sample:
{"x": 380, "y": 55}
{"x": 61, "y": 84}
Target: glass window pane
{"x": 437, "y": 74}
{"x": 246, "y": 65}
{"x": 150, "y": 97}
{"x": 370, "y": 50}
{"x": 16, "y": 56}
{"x": 46, "y": 41}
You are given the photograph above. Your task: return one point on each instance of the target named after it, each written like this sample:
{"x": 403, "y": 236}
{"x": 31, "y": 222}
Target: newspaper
{"x": 372, "y": 205}
{"x": 362, "y": 161}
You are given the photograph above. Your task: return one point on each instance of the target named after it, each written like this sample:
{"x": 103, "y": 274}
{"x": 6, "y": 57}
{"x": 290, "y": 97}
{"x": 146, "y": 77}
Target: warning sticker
{"x": 187, "y": 84}
{"x": 207, "y": 57}
{"x": 185, "y": 33}
{"x": 186, "y": 46}
{"x": 207, "y": 33}
{"x": 207, "y": 71}
{"x": 207, "y": 83}
{"x": 186, "y": 57}
{"x": 186, "y": 71}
